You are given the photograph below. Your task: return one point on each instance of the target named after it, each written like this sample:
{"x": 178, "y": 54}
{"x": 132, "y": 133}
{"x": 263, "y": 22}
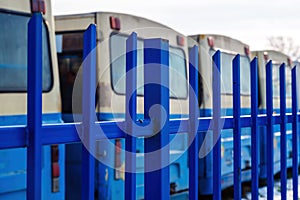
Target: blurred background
{"x": 261, "y": 24}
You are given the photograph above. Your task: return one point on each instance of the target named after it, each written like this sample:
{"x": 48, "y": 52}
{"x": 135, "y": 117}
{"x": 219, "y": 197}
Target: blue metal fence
{"x": 88, "y": 111}
{"x": 283, "y": 174}
{"x": 237, "y": 129}
{"x": 254, "y": 129}
{"x": 130, "y": 143}
{"x": 36, "y": 134}
{"x": 34, "y": 107}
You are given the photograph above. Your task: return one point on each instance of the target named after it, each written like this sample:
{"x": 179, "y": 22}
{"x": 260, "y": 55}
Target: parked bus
{"x": 277, "y": 59}
{"x": 14, "y": 17}
{"x": 112, "y": 31}
{"x": 229, "y": 47}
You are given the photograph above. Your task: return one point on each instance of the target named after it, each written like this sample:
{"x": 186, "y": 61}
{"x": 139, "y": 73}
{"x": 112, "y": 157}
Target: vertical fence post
{"x": 130, "y": 141}
{"x": 237, "y": 127}
{"x": 254, "y": 128}
{"x": 34, "y": 107}
{"x": 216, "y": 129}
{"x": 295, "y": 134}
{"x": 283, "y": 173}
{"x": 270, "y": 133}
{"x": 156, "y": 77}
{"x": 88, "y": 110}
{"x": 193, "y": 115}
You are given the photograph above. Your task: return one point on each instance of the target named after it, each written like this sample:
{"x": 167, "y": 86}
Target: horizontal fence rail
{"x": 14, "y": 137}
{"x": 157, "y": 185}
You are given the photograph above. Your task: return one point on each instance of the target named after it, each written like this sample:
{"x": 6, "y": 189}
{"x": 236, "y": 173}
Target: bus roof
{"x": 24, "y": 6}
{"x": 272, "y": 53}
{"x": 92, "y": 18}
{"x": 276, "y": 56}
{"x": 16, "y": 5}
{"x": 222, "y": 42}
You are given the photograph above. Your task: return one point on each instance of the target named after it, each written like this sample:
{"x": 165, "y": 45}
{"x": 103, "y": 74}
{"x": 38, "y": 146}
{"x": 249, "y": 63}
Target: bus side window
{"x": 69, "y": 51}
{"x": 68, "y": 68}
{"x": 200, "y": 89}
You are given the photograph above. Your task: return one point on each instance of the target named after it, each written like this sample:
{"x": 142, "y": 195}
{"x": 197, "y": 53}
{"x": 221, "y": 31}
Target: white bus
{"x": 277, "y": 59}
{"x": 14, "y": 17}
{"x": 229, "y": 47}
{"x": 112, "y": 31}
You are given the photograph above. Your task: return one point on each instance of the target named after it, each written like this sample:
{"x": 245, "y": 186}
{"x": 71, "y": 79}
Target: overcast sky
{"x": 249, "y": 21}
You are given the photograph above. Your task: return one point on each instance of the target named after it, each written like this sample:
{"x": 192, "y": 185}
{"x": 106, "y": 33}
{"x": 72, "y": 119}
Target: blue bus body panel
{"x": 206, "y": 163}
{"x": 106, "y": 186}
{"x": 13, "y": 165}
{"x": 263, "y": 143}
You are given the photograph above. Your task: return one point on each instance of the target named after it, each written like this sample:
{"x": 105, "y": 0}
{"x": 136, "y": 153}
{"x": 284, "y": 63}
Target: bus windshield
{"x": 13, "y": 56}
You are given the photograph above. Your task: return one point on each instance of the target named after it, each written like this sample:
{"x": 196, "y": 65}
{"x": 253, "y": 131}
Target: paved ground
{"x": 263, "y": 190}
{"x": 228, "y": 194}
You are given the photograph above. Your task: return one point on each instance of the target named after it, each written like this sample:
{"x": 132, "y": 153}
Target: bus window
{"x": 178, "y": 76}
{"x": 13, "y": 57}
{"x": 68, "y": 68}
{"x": 226, "y": 73}
{"x": 276, "y": 81}
{"x": 178, "y": 84}
{"x": 69, "y": 46}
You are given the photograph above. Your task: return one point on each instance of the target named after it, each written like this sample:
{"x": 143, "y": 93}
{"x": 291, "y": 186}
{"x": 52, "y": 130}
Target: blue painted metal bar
{"x": 270, "y": 133}
{"x": 88, "y": 110}
{"x": 34, "y": 107}
{"x": 193, "y": 116}
{"x": 51, "y": 132}
{"x": 254, "y": 131}
{"x": 130, "y": 142}
{"x": 237, "y": 127}
{"x": 295, "y": 134}
{"x": 156, "y": 77}
{"x": 283, "y": 158}
{"x": 216, "y": 128}
{"x": 62, "y": 134}
{"x": 14, "y": 137}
